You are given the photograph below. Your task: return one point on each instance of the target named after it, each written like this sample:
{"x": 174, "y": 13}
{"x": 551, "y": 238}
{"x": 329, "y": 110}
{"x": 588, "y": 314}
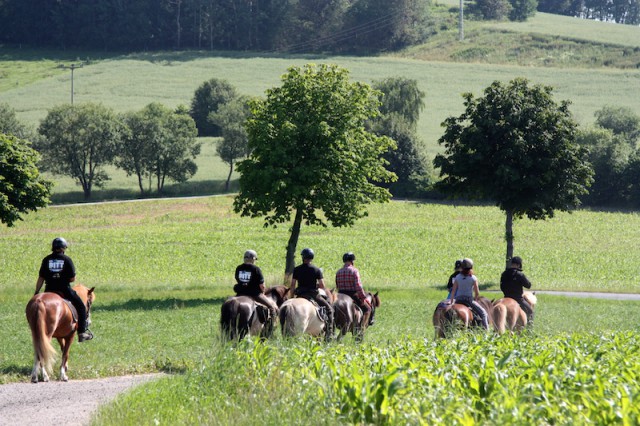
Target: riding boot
{"x": 329, "y": 327}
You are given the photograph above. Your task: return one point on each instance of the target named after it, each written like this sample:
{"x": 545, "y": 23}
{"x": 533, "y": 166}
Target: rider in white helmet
{"x": 250, "y": 282}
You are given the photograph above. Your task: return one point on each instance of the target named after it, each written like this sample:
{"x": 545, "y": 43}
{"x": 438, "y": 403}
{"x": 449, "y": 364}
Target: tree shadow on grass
{"x": 155, "y": 304}
{"x": 16, "y": 370}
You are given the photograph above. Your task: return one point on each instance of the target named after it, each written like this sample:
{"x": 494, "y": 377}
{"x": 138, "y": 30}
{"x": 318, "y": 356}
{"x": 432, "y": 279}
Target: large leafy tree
{"x": 231, "y": 118}
{"x": 78, "y": 141}
{"x": 22, "y": 189}
{"x": 517, "y": 147}
{"x": 310, "y": 153}
{"x": 158, "y": 143}
{"x": 622, "y": 121}
{"x": 10, "y": 125}
{"x": 206, "y": 100}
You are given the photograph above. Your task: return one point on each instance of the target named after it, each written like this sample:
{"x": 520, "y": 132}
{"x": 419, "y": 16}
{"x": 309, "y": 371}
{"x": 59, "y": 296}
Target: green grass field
{"x": 162, "y": 268}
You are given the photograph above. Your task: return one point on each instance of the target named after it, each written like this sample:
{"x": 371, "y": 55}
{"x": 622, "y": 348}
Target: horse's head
{"x": 278, "y": 293}
{"x": 374, "y": 301}
{"x": 530, "y": 296}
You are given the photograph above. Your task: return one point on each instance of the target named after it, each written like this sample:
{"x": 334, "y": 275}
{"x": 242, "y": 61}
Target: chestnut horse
{"x": 508, "y": 315}
{"x": 242, "y": 315}
{"x": 301, "y": 316}
{"x": 447, "y": 316}
{"x": 349, "y": 316}
{"x": 50, "y": 316}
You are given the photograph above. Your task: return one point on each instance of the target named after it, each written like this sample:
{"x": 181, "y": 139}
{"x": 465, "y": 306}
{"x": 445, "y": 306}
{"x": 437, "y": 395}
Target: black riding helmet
{"x": 59, "y": 243}
{"x": 307, "y": 253}
{"x": 516, "y": 260}
{"x": 458, "y": 264}
{"x": 348, "y": 257}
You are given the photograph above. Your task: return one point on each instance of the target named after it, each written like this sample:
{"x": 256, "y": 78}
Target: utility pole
{"x": 73, "y": 67}
{"x": 461, "y": 21}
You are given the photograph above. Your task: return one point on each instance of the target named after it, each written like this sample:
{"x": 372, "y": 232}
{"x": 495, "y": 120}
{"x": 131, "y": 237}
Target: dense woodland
{"x": 293, "y": 26}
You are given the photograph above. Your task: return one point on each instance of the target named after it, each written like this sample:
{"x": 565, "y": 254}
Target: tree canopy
{"x": 22, "y": 189}
{"x": 79, "y": 140}
{"x": 310, "y": 153}
{"x": 517, "y": 147}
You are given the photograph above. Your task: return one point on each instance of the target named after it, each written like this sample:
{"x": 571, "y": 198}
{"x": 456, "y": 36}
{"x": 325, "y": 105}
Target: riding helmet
{"x": 467, "y": 263}
{"x": 307, "y": 253}
{"x": 458, "y": 264}
{"x": 251, "y": 254}
{"x": 59, "y": 243}
{"x": 348, "y": 257}
{"x": 516, "y": 260}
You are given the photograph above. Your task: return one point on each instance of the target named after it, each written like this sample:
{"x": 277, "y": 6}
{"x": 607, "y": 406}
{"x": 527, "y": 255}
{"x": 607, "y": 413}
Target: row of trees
{"x": 620, "y": 11}
{"x": 283, "y": 25}
{"x": 153, "y": 144}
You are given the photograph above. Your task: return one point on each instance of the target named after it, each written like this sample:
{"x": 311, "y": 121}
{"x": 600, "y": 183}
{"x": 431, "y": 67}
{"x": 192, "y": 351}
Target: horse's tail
{"x": 44, "y": 351}
{"x": 228, "y": 315}
{"x": 286, "y": 325}
{"x": 500, "y": 318}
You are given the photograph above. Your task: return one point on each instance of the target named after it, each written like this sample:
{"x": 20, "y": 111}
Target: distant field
{"x": 129, "y": 83}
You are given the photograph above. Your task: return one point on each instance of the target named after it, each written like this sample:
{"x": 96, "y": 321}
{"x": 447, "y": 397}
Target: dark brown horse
{"x": 508, "y": 315}
{"x": 242, "y": 315}
{"x": 50, "y": 316}
{"x": 349, "y": 316}
{"x": 447, "y": 317}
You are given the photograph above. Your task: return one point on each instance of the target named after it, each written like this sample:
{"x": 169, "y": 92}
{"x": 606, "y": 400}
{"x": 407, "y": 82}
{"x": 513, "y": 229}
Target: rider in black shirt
{"x": 309, "y": 279}
{"x": 58, "y": 272}
{"x": 250, "y": 282}
{"x": 512, "y": 283}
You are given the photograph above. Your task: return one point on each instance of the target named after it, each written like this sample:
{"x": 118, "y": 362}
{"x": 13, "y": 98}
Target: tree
{"x": 207, "y": 99}
{"x": 517, "y": 147}
{"x": 310, "y": 152}
{"x": 609, "y": 156}
{"x": 10, "y": 125}
{"x": 402, "y": 102}
{"x": 521, "y": 10}
{"x": 78, "y": 141}
{"x": 22, "y": 189}
{"x": 231, "y": 118}
{"x": 160, "y": 143}
{"x": 497, "y": 10}
{"x": 621, "y": 121}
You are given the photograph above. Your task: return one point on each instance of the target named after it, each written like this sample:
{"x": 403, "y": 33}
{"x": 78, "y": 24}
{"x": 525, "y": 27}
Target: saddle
{"x": 321, "y": 310}
{"x": 74, "y": 311}
{"x": 263, "y": 312}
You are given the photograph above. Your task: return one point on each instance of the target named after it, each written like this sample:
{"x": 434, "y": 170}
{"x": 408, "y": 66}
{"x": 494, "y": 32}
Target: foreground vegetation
{"x": 163, "y": 267}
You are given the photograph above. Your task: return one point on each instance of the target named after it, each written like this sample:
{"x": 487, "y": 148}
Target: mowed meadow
{"x": 162, "y": 268}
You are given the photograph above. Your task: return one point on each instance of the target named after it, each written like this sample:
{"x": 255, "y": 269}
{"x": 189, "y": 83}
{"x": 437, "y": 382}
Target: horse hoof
{"x": 34, "y": 379}
{"x": 45, "y": 379}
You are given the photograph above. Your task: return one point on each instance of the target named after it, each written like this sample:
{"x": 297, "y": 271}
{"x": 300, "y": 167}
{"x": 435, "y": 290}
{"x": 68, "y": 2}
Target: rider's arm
{"x": 453, "y": 290}
{"x": 476, "y": 290}
{"x": 359, "y": 289}
{"x": 39, "y": 285}
{"x": 292, "y": 288}
{"x": 525, "y": 281}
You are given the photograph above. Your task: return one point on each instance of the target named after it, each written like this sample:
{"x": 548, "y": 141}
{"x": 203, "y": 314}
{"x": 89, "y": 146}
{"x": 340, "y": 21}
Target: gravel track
{"x": 61, "y": 403}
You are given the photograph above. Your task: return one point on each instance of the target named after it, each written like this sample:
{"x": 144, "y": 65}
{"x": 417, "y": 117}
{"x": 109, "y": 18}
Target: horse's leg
{"x": 65, "y": 345}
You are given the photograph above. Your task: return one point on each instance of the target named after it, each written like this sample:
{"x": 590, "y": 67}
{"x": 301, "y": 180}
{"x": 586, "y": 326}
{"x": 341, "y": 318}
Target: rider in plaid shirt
{"x": 348, "y": 282}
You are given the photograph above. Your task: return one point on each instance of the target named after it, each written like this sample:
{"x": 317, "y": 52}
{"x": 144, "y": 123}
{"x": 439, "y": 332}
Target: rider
{"x": 58, "y": 272}
{"x": 310, "y": 279}
{"x": 456, "y": 271}
{"x": 512, "y": 282}
{"x": 250, "y": 282}
{"x": 348, "y": 282}
{"x": 466, "y": 291}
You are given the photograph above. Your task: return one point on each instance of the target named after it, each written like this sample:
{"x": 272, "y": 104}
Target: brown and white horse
{"x": 300, "y": 316}
{"x": 349, "y": 316}
{"x": 447, "y": 317}
{"x": 240, "y": 315}
{"x": 49, "y": 316}
{"x": 508, "y": 315}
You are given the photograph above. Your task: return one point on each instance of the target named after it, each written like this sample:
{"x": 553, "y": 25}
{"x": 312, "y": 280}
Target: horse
{"x": 242, "y": 315}
{"x": 447, "y": 316}
{"x": 301, "y": 316}
{"x": 508, "y": 314}
{"x": 349, "y": 316}
{"x": 50, "y": 316}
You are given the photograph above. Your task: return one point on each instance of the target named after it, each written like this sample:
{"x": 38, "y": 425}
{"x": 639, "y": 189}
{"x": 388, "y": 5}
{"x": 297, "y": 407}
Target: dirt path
{"x": 59, "y": 403}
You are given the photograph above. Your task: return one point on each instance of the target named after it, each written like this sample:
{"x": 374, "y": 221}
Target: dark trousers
{"x": 526, "y": 307}
{"x": 70, "y": 294}
{"x": 320, "y": 300}
{"x": 361, "y": 303}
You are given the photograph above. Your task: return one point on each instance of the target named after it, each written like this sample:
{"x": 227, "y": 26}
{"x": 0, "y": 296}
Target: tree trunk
{"x": 293, "y": 242}
{"x": 508, "y": 235}
{"x": 226, "y": 186}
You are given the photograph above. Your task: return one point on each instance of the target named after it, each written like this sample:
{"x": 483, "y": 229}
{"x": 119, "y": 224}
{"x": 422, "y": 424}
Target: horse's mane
{"x": 279, "y": 291}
